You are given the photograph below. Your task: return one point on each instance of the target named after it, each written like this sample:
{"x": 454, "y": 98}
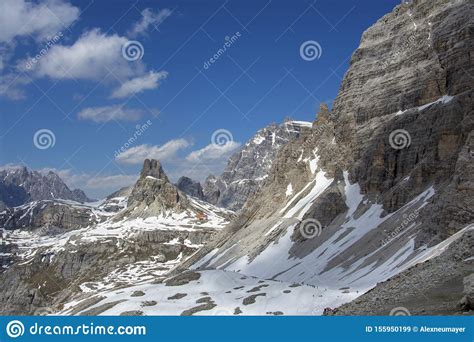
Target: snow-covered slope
{"x": 211, "y": 292}
{"x": 350, "y": 252}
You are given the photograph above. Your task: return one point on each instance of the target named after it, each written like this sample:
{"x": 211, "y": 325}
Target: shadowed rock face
{"x": 190, "y": 187}
{"x": 20, "y": 185}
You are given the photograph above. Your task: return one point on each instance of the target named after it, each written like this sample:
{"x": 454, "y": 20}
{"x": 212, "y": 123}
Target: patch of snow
{"x": 443, "y": 99}
{"x": 302, "y": 123}
{"x": 353, "y": 195}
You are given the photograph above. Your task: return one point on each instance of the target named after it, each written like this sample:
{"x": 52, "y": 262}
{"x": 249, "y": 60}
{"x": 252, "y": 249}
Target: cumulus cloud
{"x": 95, "y": 55}
{"x": 113, "y": 182}
{"x": 166, "y": 152}
{"x": 38, "y": 19}
{"x": 213, "y": 152}
{"x": 92, "y": 57}
{"x": 109, "y": 113}
{"x": 95, "y": 186}
{"x": 139, "y": 84}
{"x": 149, "y": 18}
{"x": 11, "y": 86}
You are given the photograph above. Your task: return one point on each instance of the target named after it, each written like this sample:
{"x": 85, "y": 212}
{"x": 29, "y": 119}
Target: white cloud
{"x": 211, "y": 159}
{"x": 109, "y": 113}
{"x": 168, "y": 151}
{"x": 213, "y": 152}
{"x": 114, "y": 182}
{"x": 95, "y": 186}
{"x": 92, "y": 57}
{"x": 39, "y": 19}
{"x": 149, "y": 18}
{"x": 11, "y": 86}
{"x": 139, "y": 84}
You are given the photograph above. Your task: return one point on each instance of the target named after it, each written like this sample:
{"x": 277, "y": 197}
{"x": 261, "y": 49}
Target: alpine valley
{"x": 367, "y": 209}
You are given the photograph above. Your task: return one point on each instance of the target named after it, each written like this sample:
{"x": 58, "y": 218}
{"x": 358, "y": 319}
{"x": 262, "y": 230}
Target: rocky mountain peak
{"x": 248, "y": 168}
{"x": 323, "y": 112}
{"x": 152, "y": 168}
{"x": 153, "y": 193}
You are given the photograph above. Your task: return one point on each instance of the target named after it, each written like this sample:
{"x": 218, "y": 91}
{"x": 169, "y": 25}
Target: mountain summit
{"x": 18, "y": 186}
{"x": 154, "y": 194}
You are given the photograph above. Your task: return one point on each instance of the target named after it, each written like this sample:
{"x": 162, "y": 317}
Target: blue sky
{"x": 64, "y": 77}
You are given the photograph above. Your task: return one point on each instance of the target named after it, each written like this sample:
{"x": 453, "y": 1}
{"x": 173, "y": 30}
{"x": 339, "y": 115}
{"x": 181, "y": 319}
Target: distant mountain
{"x": 18, "y": 186}
{"x": 246, "y": 169}
{"x": 190, "y": 187}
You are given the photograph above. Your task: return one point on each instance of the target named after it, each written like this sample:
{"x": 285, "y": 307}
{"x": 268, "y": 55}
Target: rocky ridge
{"x": 18, "y": 186}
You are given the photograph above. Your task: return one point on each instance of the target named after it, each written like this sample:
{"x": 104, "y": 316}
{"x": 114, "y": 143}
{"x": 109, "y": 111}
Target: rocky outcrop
{"x": 18, "y": 185}
{"x": 430, "y": 288}
{"x": 51, "y": 216}
{"x": 467, "y": 301}
{"x": 190, "y": 187}
{"x": 154, "y": 194}
{"x": 211, "y": 189}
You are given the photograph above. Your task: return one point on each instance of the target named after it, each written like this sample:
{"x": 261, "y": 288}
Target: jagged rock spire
{"x": 152, "y": 168}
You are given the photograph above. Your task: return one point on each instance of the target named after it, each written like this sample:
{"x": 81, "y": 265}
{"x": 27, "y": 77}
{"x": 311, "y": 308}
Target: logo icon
{"x": 310, "y": 228}
{"x": 221, "y": 137}
{"x": 15, "y": 329}
{"x": 400, "y": 311}
{"x": 311, "y": 50}
{"x": 44, "y": 139}
{"x": 399, "y": 139}
{"x": 133, "y": 50}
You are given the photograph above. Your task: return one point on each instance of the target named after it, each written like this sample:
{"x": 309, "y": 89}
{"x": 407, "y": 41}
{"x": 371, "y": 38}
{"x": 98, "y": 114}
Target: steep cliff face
{"x": 382, "y": 178}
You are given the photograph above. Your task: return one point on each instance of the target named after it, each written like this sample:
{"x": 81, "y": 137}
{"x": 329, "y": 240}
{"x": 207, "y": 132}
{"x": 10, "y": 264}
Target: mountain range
{"x": 18, "y": 185}
{"x": 366, "y": 211}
